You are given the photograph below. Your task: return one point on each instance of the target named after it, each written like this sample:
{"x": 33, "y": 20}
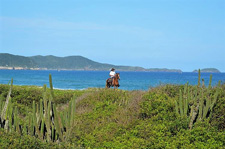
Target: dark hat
{"x": 112, "y": 69}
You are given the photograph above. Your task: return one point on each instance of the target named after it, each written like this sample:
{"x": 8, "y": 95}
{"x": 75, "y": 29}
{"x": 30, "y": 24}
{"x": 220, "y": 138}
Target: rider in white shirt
{"x": 112, "y": 73}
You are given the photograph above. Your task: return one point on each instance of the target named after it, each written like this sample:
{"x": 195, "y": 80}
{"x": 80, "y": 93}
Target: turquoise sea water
{"x": 89, "y": 79}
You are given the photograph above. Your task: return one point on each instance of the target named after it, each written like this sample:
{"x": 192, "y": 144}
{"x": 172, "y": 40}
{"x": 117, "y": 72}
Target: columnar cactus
{"x": 210, "y": 81}
{"x": 199, "y": 77}
{"x": 51, "y": 86}
{"x": 181, "y": 104}
{"x": 44, "y": 121}
{"x": 197, "y": 104}
{"x": 3, "y": 112}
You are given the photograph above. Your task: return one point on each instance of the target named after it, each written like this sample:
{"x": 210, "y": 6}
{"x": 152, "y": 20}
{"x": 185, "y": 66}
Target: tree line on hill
{"x": 70, "y": 63}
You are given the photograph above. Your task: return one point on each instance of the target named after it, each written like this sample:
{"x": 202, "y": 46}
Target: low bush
{"x": 107, "y": 118}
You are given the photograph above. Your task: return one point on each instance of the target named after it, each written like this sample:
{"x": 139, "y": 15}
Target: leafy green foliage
{"x": 23, "y": 96}
{"x": 218, "y": 116}
{"x": 15, "y": 140}
{"x": 106, "y": 118}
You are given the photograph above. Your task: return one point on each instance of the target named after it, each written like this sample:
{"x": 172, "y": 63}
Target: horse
{"x": 113, "y": 82}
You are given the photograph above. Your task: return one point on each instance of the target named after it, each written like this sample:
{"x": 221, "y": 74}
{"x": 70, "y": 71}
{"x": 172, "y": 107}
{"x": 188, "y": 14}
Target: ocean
{"x": 79, "y": 80}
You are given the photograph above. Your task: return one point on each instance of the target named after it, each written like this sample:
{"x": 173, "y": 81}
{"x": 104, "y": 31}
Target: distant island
{"x": 50, "y": 62}
{"x": 211, "y": 70}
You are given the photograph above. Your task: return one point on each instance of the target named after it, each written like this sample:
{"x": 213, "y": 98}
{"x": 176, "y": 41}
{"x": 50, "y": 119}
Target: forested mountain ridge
{"x": 70, "y": 62}
{"x": 65, "y": 63}
{"x": 9, "y": 60}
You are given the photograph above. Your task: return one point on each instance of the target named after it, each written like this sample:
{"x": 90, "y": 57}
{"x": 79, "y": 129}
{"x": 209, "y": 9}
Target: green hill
{"x": 65, "y": 63}
{"x": 76, "y": 63}
{"x": 9, "y": 60}
{"x": 70, "y": 62}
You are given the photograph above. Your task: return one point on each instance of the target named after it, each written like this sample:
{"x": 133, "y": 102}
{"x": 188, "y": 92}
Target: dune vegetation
{"x": 168, "y": 116}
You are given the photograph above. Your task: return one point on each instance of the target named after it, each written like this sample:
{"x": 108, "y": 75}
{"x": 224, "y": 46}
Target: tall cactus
{"x": 44, "y": 121}
{"x": 201, "y": 104}
{"x": 30, "y": 126}
{"x": 196, "y": 103}
{"x": 181, "y": 104}
{"x": 10, "y": 117}
{"x": 203, "y": 83}
{"x": 199, "y": 77}
{"x": 16, "y": 120}
{"x": 48, "y": 121}
{"x": 210, "y": 81}
{"x": 182, "y": 107}
{"x": 1, "y": 103}
{"x": 56, "y": 121}
{"x": 177, "y": 108}
{"x": 51, "y": 86}
{"x": 3, "y": 113}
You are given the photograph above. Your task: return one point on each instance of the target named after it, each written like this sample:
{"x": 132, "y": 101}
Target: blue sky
{"x": 179, "y": 34}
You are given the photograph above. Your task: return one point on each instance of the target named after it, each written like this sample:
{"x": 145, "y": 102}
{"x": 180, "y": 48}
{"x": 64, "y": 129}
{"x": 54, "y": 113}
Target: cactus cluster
{"x": 8, "y": 114}
{"x": 44, "y": 122}
{"x": 196, "y": 104}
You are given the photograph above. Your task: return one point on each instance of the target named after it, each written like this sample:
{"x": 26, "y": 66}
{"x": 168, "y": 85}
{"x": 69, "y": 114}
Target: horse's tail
{"x": 106, "y": 84}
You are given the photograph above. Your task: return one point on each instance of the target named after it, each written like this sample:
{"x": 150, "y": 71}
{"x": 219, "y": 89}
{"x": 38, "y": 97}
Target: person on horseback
{"x": 113, "y": 80}
{"x": 112, "y": 74}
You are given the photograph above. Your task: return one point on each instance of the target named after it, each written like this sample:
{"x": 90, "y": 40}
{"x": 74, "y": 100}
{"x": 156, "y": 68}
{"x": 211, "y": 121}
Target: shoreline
{"x": 46, "y": 69}
{"x": 22, "y": 68}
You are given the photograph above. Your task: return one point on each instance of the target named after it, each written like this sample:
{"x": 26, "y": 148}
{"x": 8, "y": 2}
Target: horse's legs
{"x": 107, "y": 84}
{"x": 114, "y": 83}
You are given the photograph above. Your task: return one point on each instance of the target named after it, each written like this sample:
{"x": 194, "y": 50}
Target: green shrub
{"x": 157, "y": 106}
{"x": 23, "y": 96}
{"x": 107, "y": 118}
{"x": 218, "y": 116}
{"x": 15, "y": 140}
